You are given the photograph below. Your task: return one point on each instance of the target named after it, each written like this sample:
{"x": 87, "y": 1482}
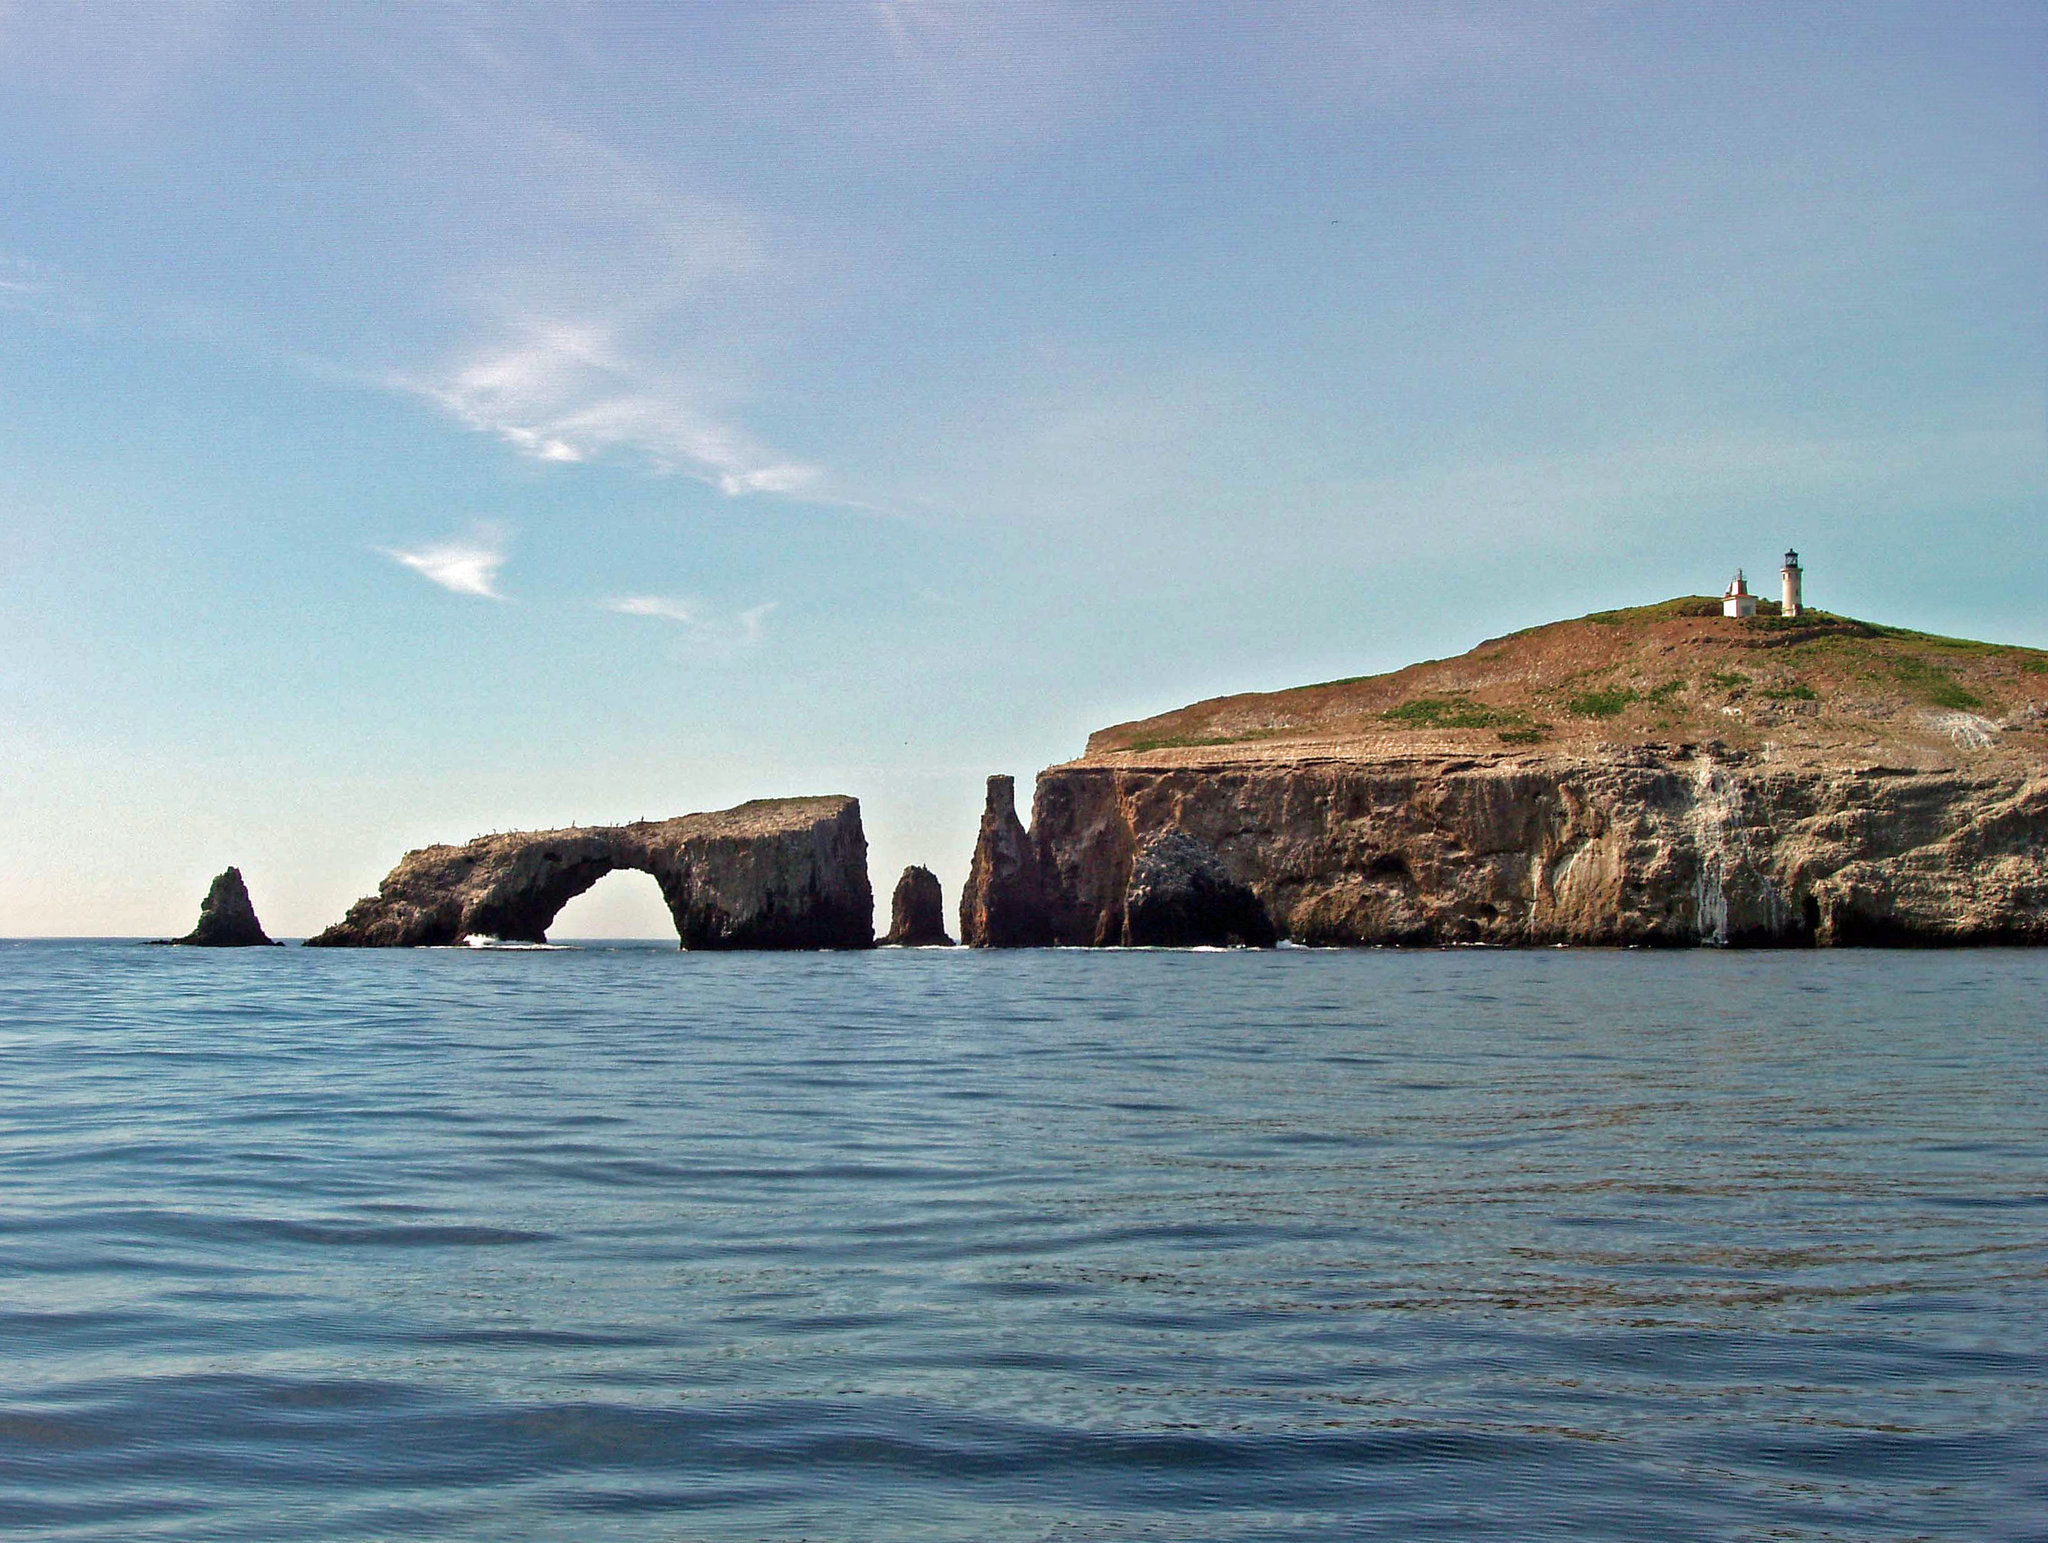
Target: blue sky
{"x": 430, "y": 419}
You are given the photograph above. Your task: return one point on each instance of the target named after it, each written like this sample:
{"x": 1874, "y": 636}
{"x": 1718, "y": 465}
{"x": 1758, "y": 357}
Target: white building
{"x": 1738, "y": 601}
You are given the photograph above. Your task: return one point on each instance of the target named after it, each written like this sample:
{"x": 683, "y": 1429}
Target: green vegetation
{"x": 1951, "y": 693}
{"x": 1664, "y": 693}
{"x": 1527, "y": 734}
{"x": 1608, "y": 703}
{"x": 1663, "y": 610}
{"x": 1810, "y": 627}
{"x": 1197, "y": 741}
{"x": 1932, "y": 684}
{"x": 1798, "y": 691}
{"x": 1726, "y": 680}
{"x": 2034, "y": 664}
{"x": 1951, "y": 645}
{"x": 1449, "y": 712}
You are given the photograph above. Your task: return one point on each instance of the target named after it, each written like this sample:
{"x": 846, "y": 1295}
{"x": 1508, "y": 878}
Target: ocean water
{"x": 626, "y": 1243}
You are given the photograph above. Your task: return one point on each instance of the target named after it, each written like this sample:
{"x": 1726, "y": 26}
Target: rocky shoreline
{"x": 1635, "y": 848}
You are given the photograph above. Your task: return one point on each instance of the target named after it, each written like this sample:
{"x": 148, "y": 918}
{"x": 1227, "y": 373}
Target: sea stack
{"x": 226, "y": 918}
{"x": 917, "y": 912}
{"x": 1003, "y": 902}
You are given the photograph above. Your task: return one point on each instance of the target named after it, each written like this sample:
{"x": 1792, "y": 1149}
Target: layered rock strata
{"x": 1686, "y": 848}
{"x": 772, "y": 874}
{"x": 917, "y": 912}
{"x": 227, "y": 918}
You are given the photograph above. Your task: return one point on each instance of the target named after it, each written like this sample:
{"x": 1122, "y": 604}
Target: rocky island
{"x": 771, "y": 874}
{"x": 227, "y": 917}
{"x": 1664, "y": 775}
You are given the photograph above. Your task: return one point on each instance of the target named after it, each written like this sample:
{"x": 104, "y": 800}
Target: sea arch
{"x": 775, "y": 873}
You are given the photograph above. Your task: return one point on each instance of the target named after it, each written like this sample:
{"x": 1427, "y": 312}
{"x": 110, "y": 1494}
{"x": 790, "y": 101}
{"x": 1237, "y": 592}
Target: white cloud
{"x": 625, "y": 315}
{"x": 468, "y": 565}
{"x": 41, "y": 293}
{"x": 563, "y": 391}
{"x": 654, "y": 605}
{"x": 706, "y": 629}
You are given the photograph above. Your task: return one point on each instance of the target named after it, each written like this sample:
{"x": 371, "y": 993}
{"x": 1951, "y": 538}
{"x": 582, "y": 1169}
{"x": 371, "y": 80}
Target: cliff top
{"x": 1817, "y": 686}
{"x": 756, "y": 817}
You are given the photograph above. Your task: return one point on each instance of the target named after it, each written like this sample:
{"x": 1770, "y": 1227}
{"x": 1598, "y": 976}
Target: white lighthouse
{"x": 1794, "y": 604}
{"x": 1738, "y": 601}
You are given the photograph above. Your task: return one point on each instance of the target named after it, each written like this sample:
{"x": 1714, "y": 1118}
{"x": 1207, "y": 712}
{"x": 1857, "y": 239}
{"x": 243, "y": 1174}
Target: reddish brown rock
{"x": 1002, "y": 904}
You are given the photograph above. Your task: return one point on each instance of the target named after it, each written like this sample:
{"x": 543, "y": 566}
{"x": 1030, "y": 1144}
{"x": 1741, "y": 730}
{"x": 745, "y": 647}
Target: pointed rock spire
{"x": 226, "y": 918}
{"x": 1003, "y": 903}
{"x": 917, "y": 912}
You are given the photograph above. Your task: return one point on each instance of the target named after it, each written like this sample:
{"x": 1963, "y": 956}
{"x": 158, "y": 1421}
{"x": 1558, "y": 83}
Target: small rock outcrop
{"x": 772, "y": 874}
{"x": 1002, "y": 904}
{"x": 917, "y": 912}
{"x": 226, "y": 917}
{"x": 1181, "y": 896}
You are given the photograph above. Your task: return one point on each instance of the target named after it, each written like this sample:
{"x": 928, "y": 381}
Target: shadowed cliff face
{"x": 1631, "y": 849}
{"x": 917, "y": 911}
{"x": 777, "y": 873}
{"x": 1003, "y": 902}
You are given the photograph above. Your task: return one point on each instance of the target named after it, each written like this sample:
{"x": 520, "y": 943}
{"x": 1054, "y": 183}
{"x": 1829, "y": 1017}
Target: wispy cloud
{"x": 622, "y": 315}
{"x": 705, "y": 627}
{"x": 565, "y": 391}
{"x": 41, "y": 292}
{"x": 654, "y": 605}
{"x": 468, "y": 565}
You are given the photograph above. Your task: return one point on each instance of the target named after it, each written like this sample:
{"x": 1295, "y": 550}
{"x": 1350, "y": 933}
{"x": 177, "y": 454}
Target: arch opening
{"x": 624, "y": 905}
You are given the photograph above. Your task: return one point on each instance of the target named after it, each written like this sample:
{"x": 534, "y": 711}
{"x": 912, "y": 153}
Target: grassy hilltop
{"x": 1674, "y": 673}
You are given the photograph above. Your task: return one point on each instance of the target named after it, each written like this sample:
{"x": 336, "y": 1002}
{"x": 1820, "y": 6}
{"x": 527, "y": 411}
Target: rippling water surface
{"x": 630, "y": 1243}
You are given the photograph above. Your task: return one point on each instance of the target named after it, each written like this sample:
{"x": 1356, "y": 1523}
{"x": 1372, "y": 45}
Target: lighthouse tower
{"x": 1791, "y": 575}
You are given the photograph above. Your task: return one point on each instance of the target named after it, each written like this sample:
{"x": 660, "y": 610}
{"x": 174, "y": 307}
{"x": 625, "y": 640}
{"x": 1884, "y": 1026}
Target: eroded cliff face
{"x": 775, "y": 873}
{"x": 1674, "y": 846}
{"x": 1003, "y": 902}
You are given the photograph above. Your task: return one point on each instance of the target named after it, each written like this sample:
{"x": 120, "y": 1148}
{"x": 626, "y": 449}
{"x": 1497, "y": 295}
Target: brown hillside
{"x": 1677, "y": 673}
